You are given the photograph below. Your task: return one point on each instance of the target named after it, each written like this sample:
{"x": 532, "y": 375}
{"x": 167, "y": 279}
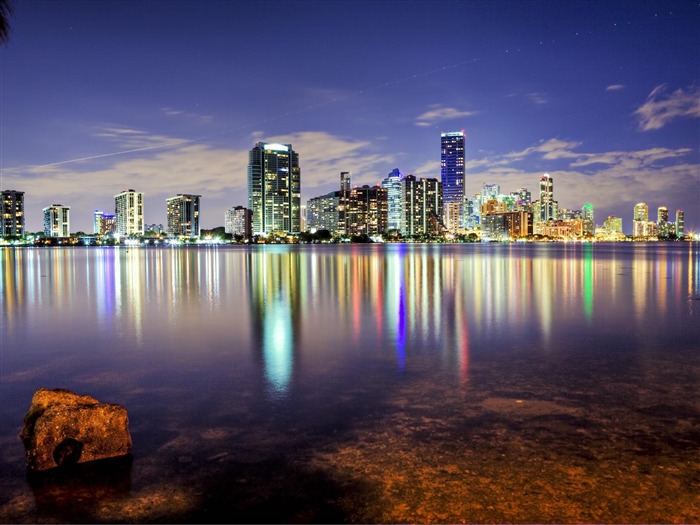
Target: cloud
{"x": 614, "y": 87}
{"x": 171, "y": 112}
{"x": 551, "y": 149}
{"x": 439, "y": 114}
{"x": 537, "y": 98}
{"x": 663, "y": 106}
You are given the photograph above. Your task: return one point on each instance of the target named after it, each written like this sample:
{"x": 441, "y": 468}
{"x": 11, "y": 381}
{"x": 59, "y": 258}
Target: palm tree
{"x": 5, "y": 12}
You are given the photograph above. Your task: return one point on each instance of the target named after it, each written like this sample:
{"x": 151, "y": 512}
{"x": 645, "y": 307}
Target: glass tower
{"x": 452, "y": 177}
{"x": 274, "y": 188}
{"x": 392, "y": 184}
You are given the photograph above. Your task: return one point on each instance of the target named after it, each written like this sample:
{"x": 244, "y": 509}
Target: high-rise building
{"x": 641, "y": 212}
{"x": 548, "y": 206}
{"x": 128, "y": 207}
{"x": 662, "y": 225}
{"x": 588, "y": 219}
{"x": 104, "y": 223}
{"x": 421, "y": 205}
{"x": 239, "y": 221}
{"x": 490, "y": 192}
{"x": 12, "y": 213}
{"x": 324, "y": 212}
{"x": 680, "y": 224}
{"x": 183, "y": 215}
{"x": 57, "y": 221}
{"x": 452, "y": 162}
{"x": 367, "y": 210}
{"x": 392, "y": 185}
{"x": 613, "y": 224}
{"x": 345, "y": 187}
{"x": 274, "y": 188}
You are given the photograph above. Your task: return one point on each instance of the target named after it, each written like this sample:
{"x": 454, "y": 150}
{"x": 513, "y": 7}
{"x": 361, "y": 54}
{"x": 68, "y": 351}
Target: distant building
{"x": 613, "y": 224}
{"x": 548, "y": 206}
{"x": 239, "y": 221}
{"x": 12, "y": 213}
{"x": 183, "y": 215}
{"x": 57, "y": 221}
{"x": 104, "y": 223}
{"x": 392, "y": 185}
{"x": 588, "y": 219}
{"x": 662, "y": 225}
{"x": 128, "y": 207}
{"x": 274, "y": 188}
{"x": 158, "y": 229}
{"x": 508, "y": 225}
{"x": 680, "y": 224}
{"x": 642, "y": 229}
{"x": 452, "y": 161}
{"x": 323, "y": 213}
{"x": 345, "y": 187}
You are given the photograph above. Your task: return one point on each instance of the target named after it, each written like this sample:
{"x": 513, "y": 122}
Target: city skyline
{"x": 603, "y": 97}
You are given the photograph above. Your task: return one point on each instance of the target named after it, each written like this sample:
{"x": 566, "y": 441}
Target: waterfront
{"x": 361, "y": 383}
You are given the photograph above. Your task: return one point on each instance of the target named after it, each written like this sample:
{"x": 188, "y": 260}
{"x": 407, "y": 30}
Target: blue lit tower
{"x": 274, "y": 188}
{"x": 392, "y": 184}
{"x": 452, "y": 177}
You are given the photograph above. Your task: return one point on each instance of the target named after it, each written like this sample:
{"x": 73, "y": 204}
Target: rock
{"x": 62, "y": 428}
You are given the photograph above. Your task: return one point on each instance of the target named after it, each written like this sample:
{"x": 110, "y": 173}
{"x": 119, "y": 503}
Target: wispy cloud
{"x": 172, "y": 112}
{"x": 663, "y": 106}
{"x": 439, "y": 114}
{"x": 551, "y": 149}
{"x": 614, "y": 87}
{"x": 539, "y": 99}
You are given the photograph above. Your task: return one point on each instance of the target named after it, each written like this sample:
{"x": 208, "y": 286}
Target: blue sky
{"x": 167, "y": 97}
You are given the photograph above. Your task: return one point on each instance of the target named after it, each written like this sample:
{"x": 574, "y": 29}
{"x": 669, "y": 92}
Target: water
{"x": 393, "y": 383}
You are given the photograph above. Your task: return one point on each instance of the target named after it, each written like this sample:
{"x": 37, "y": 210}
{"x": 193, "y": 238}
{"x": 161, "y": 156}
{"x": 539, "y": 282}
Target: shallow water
{"x": 363, "y": 383}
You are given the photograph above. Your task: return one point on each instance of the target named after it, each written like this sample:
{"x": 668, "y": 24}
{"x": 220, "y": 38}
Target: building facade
{"x": 274, "y": 188}
{"x": 392, "y": 185}
{"x": 239, "y": 221}
{"x": 680, "y": 224}
{"x": 183, "y": 215}
{"x": 324, "y": 212}
{"x": 548, "y": 206}
{"x": 367, "y": 210}
{"x": 452, "y": 160}
{"x": 57, "y": 221}
{"x": 12, "y": 213}
{"x": 104, "y": 223}
{"x": 128, "y": 208}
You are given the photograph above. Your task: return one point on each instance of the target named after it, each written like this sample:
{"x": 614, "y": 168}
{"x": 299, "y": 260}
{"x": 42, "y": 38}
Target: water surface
{"x": 363, "y": 383}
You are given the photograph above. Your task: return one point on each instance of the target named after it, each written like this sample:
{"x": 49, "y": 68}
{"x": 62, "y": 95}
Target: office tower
{"x": 548, "y": 206}
{"x": 367, "y": 210}
{"x": 324, "y": 212}
{"x": 57, "y": 221}
{"x": 472, "y": 212}
{"x": 345, "y": 180}
{"x": 12, "y": 213}
{"x": 662, "y": 225}
{"x": 274, "y": 188}
{"x": 239, "y": 221}
{"x": 392, "y": 185}
{"x": 183, "y": 215}
{"x": 680, "y": 224}
{"x": 452, "y": 177}
{"x": 588, "y": 219}
{"x": 128, "y": 207}
{"x": 640, "y": 224}
{"x": 490, "y": 192}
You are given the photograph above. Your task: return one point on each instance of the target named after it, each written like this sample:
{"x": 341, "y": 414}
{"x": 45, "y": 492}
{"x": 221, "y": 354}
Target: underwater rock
{"x": 62, "y": 428}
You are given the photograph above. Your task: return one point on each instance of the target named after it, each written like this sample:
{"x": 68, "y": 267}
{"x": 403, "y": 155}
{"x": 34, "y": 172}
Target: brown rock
{"x": 62, "y": 428}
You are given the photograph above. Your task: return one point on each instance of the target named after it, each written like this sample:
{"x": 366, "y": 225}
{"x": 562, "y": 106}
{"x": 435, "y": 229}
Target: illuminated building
{"x": 128, "y": 207}
{"x": 183, "y": 215}
{"x": 421, "y": 205}
{"x": 57, "y": 221}
{"x": 662, "y": 225}
{"x": 641, "y": 212}
{"x": 508, "y": 225}
{"x": 492, "y": 206}
{"x": 274, "y": 188}
{"x": 613, "y": 224}
{"x": 588, "y": 219}
{"x": 548, "y": 206}
{"x": 12, "y": 211}
{"x": 104, "y": 223}
{"x": 452, "y": 177}
{"x": 490, "y": 192}
{"x": 367, "y": 210}
{"x": 392, "y": 184}
{"x": 680, "y": 224}
{"x": 323, "y": 213}
{"x": 345, "y": 187}
{"x": 239, "y": 221}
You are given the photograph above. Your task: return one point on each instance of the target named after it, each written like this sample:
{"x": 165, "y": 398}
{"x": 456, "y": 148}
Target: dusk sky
{"x": 167, "y": 97}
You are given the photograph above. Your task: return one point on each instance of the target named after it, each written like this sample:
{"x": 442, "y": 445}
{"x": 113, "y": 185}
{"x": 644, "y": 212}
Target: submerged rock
{"x": 62, "y": 428}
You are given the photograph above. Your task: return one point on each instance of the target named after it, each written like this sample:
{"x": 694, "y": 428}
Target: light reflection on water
{"x": 317, "y": 338}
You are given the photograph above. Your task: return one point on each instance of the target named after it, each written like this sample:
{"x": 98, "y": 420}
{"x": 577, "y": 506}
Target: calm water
{"x": 397, "y": 383}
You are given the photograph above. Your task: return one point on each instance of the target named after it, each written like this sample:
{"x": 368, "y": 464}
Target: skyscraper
{"x": 680, "y": 223}
{"x": 588, "y": 219}
{"x": 12, "y": 213}
{"x": 640, "y": 224}
{"x": 548, "y": 206}
{"x": 274, "y": 188}
{"x": 57, "y": 221}
{"x": 183, "y": 215}
{"x": 104, "y": 223}
{"x": 128, "y": 207}
{"x": 452, "y": 177}
{"x": 641, "y": 212}
{"x": 392, "y": 185}
{"x": 239, "y": 221}
{"x": 345, "y": 187}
